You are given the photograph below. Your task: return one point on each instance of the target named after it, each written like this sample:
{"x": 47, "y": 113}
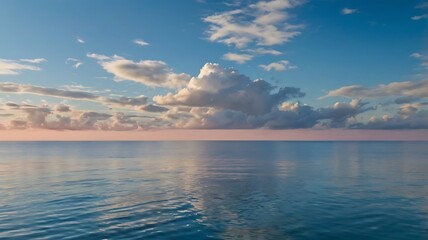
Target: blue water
{"x": 214, "y": 190}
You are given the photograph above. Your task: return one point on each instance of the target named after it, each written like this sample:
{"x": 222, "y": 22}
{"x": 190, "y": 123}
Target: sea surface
{"x": 214, "y": 190}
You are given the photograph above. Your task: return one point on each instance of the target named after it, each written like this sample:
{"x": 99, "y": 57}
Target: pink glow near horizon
{"x": 177, "y": 135}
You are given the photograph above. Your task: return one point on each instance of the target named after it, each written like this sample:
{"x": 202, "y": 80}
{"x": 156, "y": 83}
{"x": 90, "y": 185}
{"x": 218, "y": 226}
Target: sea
{"x": 214, "y": 190}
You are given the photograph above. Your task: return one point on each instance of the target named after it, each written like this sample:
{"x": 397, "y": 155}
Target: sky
{"x": 319, "y": 66}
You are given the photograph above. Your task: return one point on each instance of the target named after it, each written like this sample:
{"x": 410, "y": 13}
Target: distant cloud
{"x": 141, "y": 42}
{"x": 153, "y": 108}
{"x": 278, "y": 66}
{"x": 9, "y": 87}
{"x": 14, "y": 67}
{"x": 422, "y": 5}
{"x": 407, "y": 88}
{"x": 149, "y": 72}
{"x": 348, "y": 11}
{"x": 423, "y": 58}
{"x": 80, "y": 40}
{"x": 264, "y": 23}
{"x": 419, "y": 17}
{"x": 416, "y": 55}
{"x": 236, "y": 57}
{"x": 76, "y": 63}
{"x": 263, "y": 51}
{"x": 33, "y": 60}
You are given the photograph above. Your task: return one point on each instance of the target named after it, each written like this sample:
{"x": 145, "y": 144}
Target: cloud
{"x": 264, "y": 23}
{"x": 9, "y": 87}
{"x": 423, "y": 58}
{"x": 263, "y": 51}
{"x": 278, "y": 66}
{"x": 239, "y": 58}
{"x": 153, "y": 108}
{"x": 33, "y": 60}
{"x": 227, "y": 89}
{"x": 286, "y": 116}
{"x": 348, "y": 11}
{"x": 407, "y": 88}
{"x": 76, "y": 63}
{"x": 13, "y": 67}
{"x": 419, "y": 17}
{"x": 62, "y": 108}
{"x": 141, "y": 42}
{"x": 408, "y": 116}
{"x": 416, "y": 55}
{"x": 149, "y": 72}
{"x": 80, "y": 40}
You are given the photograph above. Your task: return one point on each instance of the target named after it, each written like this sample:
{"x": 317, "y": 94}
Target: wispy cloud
{"x": 9, "y": 87}
{"x": 348, "y": 11}
{"x": 283, "y": 65}
{"x": 14, "y": 67}
{"x": 407, "y": 88}
{"x": 76, "y": 63}
{"x": 141, "y": 42}
{"x": 33, "y": 60}
{"x": 236, "y": 57}
{"x": 419, "y": 17}
{"x": 80, "y": 40}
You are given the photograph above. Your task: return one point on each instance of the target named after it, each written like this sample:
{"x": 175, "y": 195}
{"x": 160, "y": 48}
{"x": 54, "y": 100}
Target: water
{"x": 214, "y": 190}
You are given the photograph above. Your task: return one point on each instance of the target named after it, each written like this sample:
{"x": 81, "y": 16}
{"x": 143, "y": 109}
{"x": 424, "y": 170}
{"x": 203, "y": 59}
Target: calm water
{"x": 214, "y": 190}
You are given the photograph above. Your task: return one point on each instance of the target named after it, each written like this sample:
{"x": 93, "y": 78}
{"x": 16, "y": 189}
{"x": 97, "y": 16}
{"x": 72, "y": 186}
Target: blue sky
{"x": 318, "y": 47}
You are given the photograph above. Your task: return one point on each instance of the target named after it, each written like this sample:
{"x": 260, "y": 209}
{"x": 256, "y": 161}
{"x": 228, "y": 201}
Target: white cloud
{"x": 283, "y": 65}
{"x": 348, "y": 11}
{"x": 141, "y": 42}
{"x": 236, "y": 57}
{"x": 265, "y": 23}
{"x": 80, "y": 40}
{"x": 419, "y": 17}
{"x": 13, "y": 67}
{"x": 228, "y": 89}
{"x": 149, "y": 72}
{"x": 33, "y": 60}
{"x": 76, "y": 63}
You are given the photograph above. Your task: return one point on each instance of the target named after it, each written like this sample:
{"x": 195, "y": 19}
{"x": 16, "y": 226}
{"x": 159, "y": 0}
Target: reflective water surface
{"x": 214, "y": 190}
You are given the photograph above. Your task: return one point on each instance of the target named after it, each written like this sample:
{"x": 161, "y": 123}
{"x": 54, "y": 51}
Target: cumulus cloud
{"x": 140, "y": 42}
{"x": 407, "y": 117}
{"x": 287, "y": 116}
{"x": 406, "y": 88}
{"x": 61, "y": 117}
{"x": 228, "y": 89}
{"x": 149, "y": 72}
{"x": 14, "y": 67}
{"x": 9, "y": 87}
{"x": 283, "y": 65}
{"x": 264, "y": 23}
{"x": 348, "y": 11}
{"x": 239, "y": 58}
